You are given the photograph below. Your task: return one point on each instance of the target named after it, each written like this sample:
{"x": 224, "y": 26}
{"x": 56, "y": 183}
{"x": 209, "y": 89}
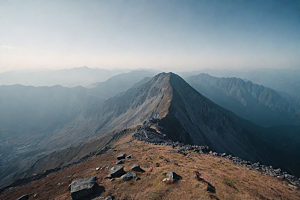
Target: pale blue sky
{"x": 173, "y": 35}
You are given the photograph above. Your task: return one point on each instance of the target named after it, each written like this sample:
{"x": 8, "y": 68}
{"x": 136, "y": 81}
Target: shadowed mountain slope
{"x": 255, "y": 103}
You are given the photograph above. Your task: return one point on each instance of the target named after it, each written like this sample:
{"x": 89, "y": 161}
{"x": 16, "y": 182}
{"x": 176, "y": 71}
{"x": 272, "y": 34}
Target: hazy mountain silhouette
{"x": 119, "y": 83}
{"x": 282, "y": 80}
{"x": 80, "y": 76}
{"x": 259, "y": 104}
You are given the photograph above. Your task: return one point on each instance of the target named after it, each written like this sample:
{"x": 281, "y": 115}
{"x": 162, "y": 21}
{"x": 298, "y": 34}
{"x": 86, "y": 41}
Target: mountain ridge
{"x": 259, "y": 104}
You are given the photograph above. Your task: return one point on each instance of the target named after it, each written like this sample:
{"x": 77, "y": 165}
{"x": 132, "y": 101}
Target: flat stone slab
{"x": 128, "y": 176}
{"x": 121, "y": 156}
{"x": 82, "y": 187}
{"x": 137, "y": 168}
{"x": 116, "y": 171}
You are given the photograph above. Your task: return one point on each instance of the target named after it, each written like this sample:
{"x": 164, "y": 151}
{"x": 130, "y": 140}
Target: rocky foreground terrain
{"x": 145, "y": 165}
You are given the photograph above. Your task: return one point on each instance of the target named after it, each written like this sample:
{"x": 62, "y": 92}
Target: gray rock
{"x": 137, "y": 168}
{"x": 116, "y": 171}
{"x": 24, "y": 197}
{"x": 121, "y": 156}
{"x": 119, "y": 162}
{"x": 128, "y": 176}
{"x": 129, "y": 156}
{"x": 110, "y": 198}
{"x": 172, "y": 177}
{"x": 82, "y": 187}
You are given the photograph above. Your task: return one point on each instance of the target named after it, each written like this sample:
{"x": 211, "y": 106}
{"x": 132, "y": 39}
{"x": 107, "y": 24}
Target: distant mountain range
{"x": 61, "y": 125}
{"x": 256, "y": 103}
{"x": 80, "y": 76}
{"x": 286, "y": 81}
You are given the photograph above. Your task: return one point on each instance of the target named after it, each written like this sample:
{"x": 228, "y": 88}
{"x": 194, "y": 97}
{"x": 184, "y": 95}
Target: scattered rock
{"x": 117, "y": 171}
{"x": 129, "y": 175}
{"x": 24, "y": 197}
{"x": 180, "y": 150}
{"x": 121, "y": 156}
{"x": 129, "y": 156}
{"x": 119, "y": 162}
{"x": 149, "y": 136}
{"x": 292, "y": 186}
{"x": 97, "y": 168}
{"x": 82, "y": 187}
{"x": 172, "y": 177}
{"x": 110, "y": 198}
{"x": 137, "y": 168}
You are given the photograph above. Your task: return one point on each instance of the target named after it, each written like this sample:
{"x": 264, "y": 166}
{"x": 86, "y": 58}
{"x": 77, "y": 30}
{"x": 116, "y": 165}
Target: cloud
{"x": 7, "y": 47}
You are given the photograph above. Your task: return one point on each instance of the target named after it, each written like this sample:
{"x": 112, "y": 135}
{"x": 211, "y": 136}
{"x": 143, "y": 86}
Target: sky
{"x": 157, "y": 34}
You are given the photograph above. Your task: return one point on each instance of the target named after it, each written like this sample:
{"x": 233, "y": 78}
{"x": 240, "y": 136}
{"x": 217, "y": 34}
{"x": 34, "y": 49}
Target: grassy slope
{"x": 230, "y": 181}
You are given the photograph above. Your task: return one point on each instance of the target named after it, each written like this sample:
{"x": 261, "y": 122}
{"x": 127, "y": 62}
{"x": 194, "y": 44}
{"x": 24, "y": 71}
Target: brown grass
{"x": 230, "y": 181}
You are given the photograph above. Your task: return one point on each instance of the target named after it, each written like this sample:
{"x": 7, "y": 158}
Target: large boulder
{"x": 128, "y": 176}
{"x": 137, "y": 168}
{"x": 121, "y": 156}
{"x": 116, "y": 171}
{"x": 82, "y": 187}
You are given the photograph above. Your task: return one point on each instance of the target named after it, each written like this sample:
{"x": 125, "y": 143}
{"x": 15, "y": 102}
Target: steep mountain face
{"x": 127, "y": 109}
{"x": 255, "y": 103}
{"x": 175, "y": 109}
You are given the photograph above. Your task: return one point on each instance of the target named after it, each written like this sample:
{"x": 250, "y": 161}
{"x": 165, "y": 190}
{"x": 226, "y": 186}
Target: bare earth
{"x": 230, "y": 181}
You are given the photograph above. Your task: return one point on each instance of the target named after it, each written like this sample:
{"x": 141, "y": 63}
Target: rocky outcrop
{"x": 129, "y": 175}
{"x": 185, "y": 148}
{"x": 82, "y": 187}
{"x": 116, "y": 171}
